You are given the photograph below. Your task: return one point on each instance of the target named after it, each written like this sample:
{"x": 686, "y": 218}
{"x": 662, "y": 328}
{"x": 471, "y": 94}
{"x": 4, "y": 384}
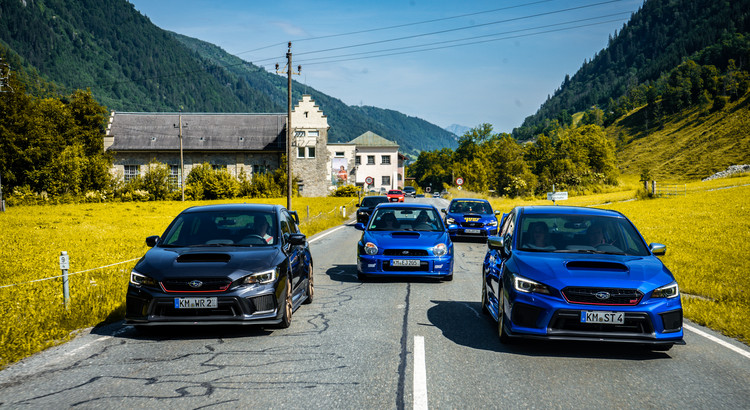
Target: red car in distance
{"x": 395, "y": 195}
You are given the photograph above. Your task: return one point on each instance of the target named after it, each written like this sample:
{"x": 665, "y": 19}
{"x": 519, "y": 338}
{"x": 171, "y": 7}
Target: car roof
{"x": 234, "y": 208}
{"x": 568, "y": 210}
{"x": 402, "y": 205}
{"x": 470, "y": 199}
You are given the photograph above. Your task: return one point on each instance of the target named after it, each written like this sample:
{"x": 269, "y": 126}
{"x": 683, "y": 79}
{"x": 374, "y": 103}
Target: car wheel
{"x": 502, "y": 334}
{"x": 286, "y": 317}
{"x": 485, "y": 309}
{"x": 310, "y": 288}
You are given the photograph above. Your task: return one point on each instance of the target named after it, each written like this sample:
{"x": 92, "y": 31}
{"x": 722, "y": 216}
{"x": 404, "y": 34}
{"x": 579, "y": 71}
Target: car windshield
{"x": 470, "y": 207}
{"x": 394, "y": 192}
{"x": 406, "y": 219}
{"x": 206, "y": 229}
{"x": 579, "y": 234}
{"x": 371, "y": 201}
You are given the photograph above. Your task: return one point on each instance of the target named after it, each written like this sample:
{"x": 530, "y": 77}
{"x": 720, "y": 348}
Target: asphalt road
{"x": 381, "y": 344}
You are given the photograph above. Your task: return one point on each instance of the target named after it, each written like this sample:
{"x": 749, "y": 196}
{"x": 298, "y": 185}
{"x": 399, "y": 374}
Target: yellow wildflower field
{"x": 103, "y": 242}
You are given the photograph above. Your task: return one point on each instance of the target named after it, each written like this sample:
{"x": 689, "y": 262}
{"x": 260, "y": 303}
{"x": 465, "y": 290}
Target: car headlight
{"x": 260, "y": 278}
{"x": 440, "y": 249}
{"x": 529, "y": 286}
{"x": 492, "y": 223}
{"x": 668, "y": 291}
{"x": 450, "y": 221}
{"x": 142, "y": 280}
{"x": 371, "y": 248}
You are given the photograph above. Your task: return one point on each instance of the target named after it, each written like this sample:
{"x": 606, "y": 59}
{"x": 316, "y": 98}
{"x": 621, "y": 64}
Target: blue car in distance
{"x": 573, "y": 273}
{"x": 404, "y": 239}
{"x": 473, "y": 218}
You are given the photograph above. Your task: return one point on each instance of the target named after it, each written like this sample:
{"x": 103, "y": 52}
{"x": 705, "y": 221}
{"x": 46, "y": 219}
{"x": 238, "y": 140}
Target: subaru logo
{"x": 195, "y": 283}
{"x": 602, "y": 295}
{"x": 405, "y": 252}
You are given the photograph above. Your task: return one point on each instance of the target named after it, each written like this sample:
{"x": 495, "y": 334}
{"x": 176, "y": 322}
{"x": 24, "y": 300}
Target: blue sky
{"x": 488, "y": 61}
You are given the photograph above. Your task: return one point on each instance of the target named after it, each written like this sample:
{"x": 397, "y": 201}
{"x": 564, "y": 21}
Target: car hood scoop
{"x": 596, "y": 265}
{"x": 405, "y": 234}
{"x": 203, "y": 258}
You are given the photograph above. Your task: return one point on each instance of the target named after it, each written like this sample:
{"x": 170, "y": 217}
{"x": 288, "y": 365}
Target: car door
{"x": 293, "y": 252}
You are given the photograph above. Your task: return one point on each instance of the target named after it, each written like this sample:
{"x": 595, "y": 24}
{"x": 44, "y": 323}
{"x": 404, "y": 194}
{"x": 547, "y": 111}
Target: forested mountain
{"x": 347, "y": 122}
{"x": 129, "y": 64}
{"x": 656, "y": 39}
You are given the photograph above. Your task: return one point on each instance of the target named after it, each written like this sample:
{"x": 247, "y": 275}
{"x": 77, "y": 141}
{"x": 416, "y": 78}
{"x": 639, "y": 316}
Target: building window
{"x": 313, "y": 133}
{"x": 174, "y": 177}
{"x": 300, "y": 152}
{"x": 386, "y": 181}
{"x": 371, "y": 160}
{"x": 385, "y": 160}
{"x": 218, "y": 168}
{"x": 299, "y": 133}
{"x": 310, "y": 152}
{"x": 260, "y": 169}
{"x": 339, "y": 154}
{"x": 358, "y": 160}
{"x": 131, "y": 172}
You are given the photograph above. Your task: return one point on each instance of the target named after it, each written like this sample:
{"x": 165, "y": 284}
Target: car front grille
{"x": 206, "y": 285}
{"x": 472, "y": 224}
{"x": 164, "y": 308}
{"x": 424, "y": 266}
{"x": 567, "y": 321}
{"x": 405, "y": 252}
{"x": 614, "y": 297}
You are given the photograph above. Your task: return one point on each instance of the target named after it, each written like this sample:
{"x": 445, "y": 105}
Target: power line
{"x": 477, "y": 37}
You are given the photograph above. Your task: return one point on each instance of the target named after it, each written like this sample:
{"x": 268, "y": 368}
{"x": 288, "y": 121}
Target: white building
{"x": 367, "y": 156}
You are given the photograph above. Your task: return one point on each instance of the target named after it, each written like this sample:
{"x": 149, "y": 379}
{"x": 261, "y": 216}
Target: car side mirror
{"x": 495, "y": 243}
{"x": 452, "y": 227}
{"x": 359, "y": 226}
{"x": 151, "y": 241}
{"x": 357, "y": 205}
{"x": 443, "y": 211}
{"x": 497, "y": 212}
{"x": 658, "y": 249}
{"x": 297, "y": 239}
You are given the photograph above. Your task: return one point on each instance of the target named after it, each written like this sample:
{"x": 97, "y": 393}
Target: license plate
{"x": 195, "y": 303}
{"x": 614, "y": 318}
{"x": 472, "y": 230}
{"x": 405, "y": 262}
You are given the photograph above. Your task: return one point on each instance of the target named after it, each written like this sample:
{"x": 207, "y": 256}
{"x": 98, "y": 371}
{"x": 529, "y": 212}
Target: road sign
{"x": 459, "y": 181}
{"x": 557, "y": 196}
{"x": 369, "y": 180}
{"x": 427, "y": 189}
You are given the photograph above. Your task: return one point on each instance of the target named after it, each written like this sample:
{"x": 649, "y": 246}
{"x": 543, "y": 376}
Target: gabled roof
{"x": 200, "y": 132}
{"x": 370, "y": 139}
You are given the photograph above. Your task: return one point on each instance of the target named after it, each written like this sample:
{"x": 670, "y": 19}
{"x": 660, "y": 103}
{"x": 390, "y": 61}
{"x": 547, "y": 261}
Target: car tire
{"x": 286, "y": 316}
{"x": 310, "y": 291}
{"x": 502, "y": 334}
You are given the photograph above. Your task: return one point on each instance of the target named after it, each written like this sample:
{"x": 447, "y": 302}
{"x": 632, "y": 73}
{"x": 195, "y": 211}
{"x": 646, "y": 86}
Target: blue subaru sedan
{"x": 473, "y": 218}
{"x": 572, "y": 273}
{"x": 406, "y": 240}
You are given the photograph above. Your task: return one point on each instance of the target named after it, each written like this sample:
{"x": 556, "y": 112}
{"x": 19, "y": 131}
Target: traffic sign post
{"x": 64, "y": 266}
{"x": 459, "y": 181}
{"x": 557, "y": 196}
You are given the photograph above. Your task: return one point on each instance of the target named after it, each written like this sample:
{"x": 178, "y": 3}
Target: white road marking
{"x": 717, "y": 340}
{"x": 87, "y": 345}
{"x": 420, "y": 374}
{"x": 326, "y": 234}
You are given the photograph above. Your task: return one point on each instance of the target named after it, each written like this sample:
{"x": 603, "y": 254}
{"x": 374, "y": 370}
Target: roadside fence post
{"x": 343, "y": 211}
{"x": 65, "y": 265}
{"x": 653, "y": 187}
{"x": 308, "y": 212}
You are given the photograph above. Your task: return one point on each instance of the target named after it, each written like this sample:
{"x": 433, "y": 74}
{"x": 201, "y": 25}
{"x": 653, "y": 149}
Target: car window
{"x": 220, "y": 229}
{"x": 373, "y": 200}
{"x": 580, "y": 233}
{"x": 466, "y": 207}
{"x": 285, "y": 227}
{"x": 406, "y": 219}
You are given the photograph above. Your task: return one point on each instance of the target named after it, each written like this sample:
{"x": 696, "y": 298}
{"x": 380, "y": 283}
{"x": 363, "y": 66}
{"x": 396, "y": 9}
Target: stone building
{"x": 237, "y": 143}
{"x": 368, "y": 155}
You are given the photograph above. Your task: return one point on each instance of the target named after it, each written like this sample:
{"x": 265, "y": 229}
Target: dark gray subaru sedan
{"x": 223, "y": 264}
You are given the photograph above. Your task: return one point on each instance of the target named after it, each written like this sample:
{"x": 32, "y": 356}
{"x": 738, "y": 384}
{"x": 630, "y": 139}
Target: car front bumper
{"x": 245, "y": 305}
{"x": 473, "y": 232}
{"x": 382, "y": 265}
{"x": 654, "y": 321}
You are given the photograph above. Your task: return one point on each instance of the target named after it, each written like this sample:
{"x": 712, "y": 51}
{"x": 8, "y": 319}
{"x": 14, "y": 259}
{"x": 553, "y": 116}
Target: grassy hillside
{"x": 691, "y": 145}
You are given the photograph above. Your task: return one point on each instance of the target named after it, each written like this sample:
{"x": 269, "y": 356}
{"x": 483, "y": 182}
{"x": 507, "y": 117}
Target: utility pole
{"x": 2, "y": 201}
{"x": 289, "y": 73}
{"x": 182, "y": 163}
